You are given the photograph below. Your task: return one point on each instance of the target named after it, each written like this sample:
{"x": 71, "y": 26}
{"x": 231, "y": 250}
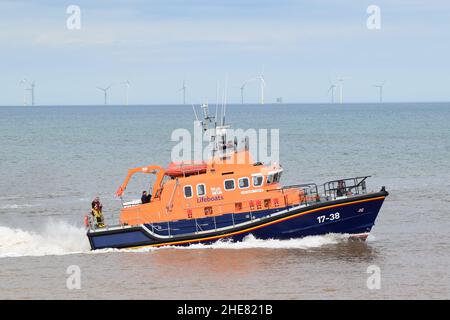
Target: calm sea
{"x": 54, "y": 160}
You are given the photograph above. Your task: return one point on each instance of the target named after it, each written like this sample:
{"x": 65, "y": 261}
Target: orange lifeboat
{"x": 180, "y": 169}
{"x": 230, "y": 196}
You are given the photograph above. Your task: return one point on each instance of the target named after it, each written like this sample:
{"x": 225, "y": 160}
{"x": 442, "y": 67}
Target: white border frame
{"x": 204, "y": 188}
{"x": 234, "y": 184}
{"x": 192, "y": 191}
{"x": 248, "y": 180}
{"x": 258, "y": 175}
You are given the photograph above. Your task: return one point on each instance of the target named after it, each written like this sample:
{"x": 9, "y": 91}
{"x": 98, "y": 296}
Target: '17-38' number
{"x": 330, "y": 217}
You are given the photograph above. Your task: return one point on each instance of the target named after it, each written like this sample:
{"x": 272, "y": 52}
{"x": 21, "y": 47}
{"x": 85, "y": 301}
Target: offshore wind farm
{"x": 338, "y": 83}
{"x": 299, "y": 58}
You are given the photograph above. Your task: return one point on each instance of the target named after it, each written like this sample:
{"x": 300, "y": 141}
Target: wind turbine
{"x": 242, "y": 92}
{"x": 262, "y": 84}
{"x": 341, "y": 88}
{"x": 127, "y": 88}
{"x": 32, "y": 85}
{"x": 380, "y": 87}
{"x": 331, "y": 88}
{"x": 105, "y": 92}
{"x": 24, "y": 82}
{"x": 183, "y": 88}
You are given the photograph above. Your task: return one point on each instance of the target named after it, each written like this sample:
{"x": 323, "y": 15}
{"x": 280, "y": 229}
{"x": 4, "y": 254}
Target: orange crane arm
{"x": 148, "y": 170}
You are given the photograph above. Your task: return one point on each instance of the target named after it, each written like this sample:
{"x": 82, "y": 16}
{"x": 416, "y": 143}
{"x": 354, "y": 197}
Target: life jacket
{"x": 97, "y": 213}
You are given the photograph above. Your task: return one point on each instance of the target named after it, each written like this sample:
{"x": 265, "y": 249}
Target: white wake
{"x": 250, "y": 242}
{"x": 59, "y": 237}
{"x": 56, "y": 238}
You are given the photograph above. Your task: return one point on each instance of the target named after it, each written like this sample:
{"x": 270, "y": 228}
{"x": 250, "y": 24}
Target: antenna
{"x": 217, "y": 98}
{"x": 207, "y": 119}
{"x": 213, "y": 137}
{"x": 225, "y": 103}
{"x": 195, "y": 112}
{"x": 205, "y": 110}
{"x": 223, "y": 115}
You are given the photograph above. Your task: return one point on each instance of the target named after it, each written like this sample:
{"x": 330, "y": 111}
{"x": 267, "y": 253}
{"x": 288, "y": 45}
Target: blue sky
{"x": 157, "y": 44}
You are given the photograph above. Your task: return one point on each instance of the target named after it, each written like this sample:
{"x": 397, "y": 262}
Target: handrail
{"x": 170, "y": 204}
{"x": 358, "y": 177}
{"x": 343, "y": 188}
{"x": 302, "y": 185}
{"x": 309, "y": 196}
{"x": 248, "y": 201}
{"x": 362, "y": 181}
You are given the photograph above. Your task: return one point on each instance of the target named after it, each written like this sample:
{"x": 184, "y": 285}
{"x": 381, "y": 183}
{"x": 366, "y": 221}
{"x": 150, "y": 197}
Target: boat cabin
{"x": 200, "y": 189}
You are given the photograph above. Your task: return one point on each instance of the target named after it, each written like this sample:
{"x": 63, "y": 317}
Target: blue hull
{"x": 352, "y": 216}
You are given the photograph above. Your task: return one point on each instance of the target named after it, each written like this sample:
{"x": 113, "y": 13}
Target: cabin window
{"x": 229, "y": 184}
{"x": 257, "y": 181}
{"x": 244, "y": 183}
{"x": 201, "y": 190}
{"x": 274, "y": 177}
{"x": 188, "y": 191}
{"x": 277, "y": 177}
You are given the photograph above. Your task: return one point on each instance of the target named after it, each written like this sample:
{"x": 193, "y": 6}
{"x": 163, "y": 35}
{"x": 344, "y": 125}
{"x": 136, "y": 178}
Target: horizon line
{"x": 237, "y": 104}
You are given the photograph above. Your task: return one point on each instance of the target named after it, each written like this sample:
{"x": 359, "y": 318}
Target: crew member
{"x": 96, "y": 201}
{"x": 340, "y": 191}
{"x": 145, "y": 197}
{"x": 97, "y": 213}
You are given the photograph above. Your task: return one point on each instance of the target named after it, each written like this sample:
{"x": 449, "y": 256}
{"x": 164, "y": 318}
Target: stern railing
{"x": 345, "y": 187}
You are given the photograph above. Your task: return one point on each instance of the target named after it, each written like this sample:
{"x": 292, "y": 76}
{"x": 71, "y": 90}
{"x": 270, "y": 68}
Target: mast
{"x": 219, "y": 128}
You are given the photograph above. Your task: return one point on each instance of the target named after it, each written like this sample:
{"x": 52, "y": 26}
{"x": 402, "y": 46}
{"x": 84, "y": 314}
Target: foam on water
{"x": 250, "y": 242}
{"x": 59, "y": 238}
{"x": 56, "y": 238}
{"x": 16, "y": 206}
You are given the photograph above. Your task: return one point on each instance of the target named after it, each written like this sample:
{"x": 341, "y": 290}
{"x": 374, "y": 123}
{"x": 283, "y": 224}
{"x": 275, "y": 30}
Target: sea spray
{"x": 60, "y": 237}
{"x": 250, "y": 242}
{"x": 56, "y": 238}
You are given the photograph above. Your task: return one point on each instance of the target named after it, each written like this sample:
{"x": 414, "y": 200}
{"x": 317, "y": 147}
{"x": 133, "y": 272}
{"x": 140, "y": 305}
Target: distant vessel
{"x": 204, "y": 201}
